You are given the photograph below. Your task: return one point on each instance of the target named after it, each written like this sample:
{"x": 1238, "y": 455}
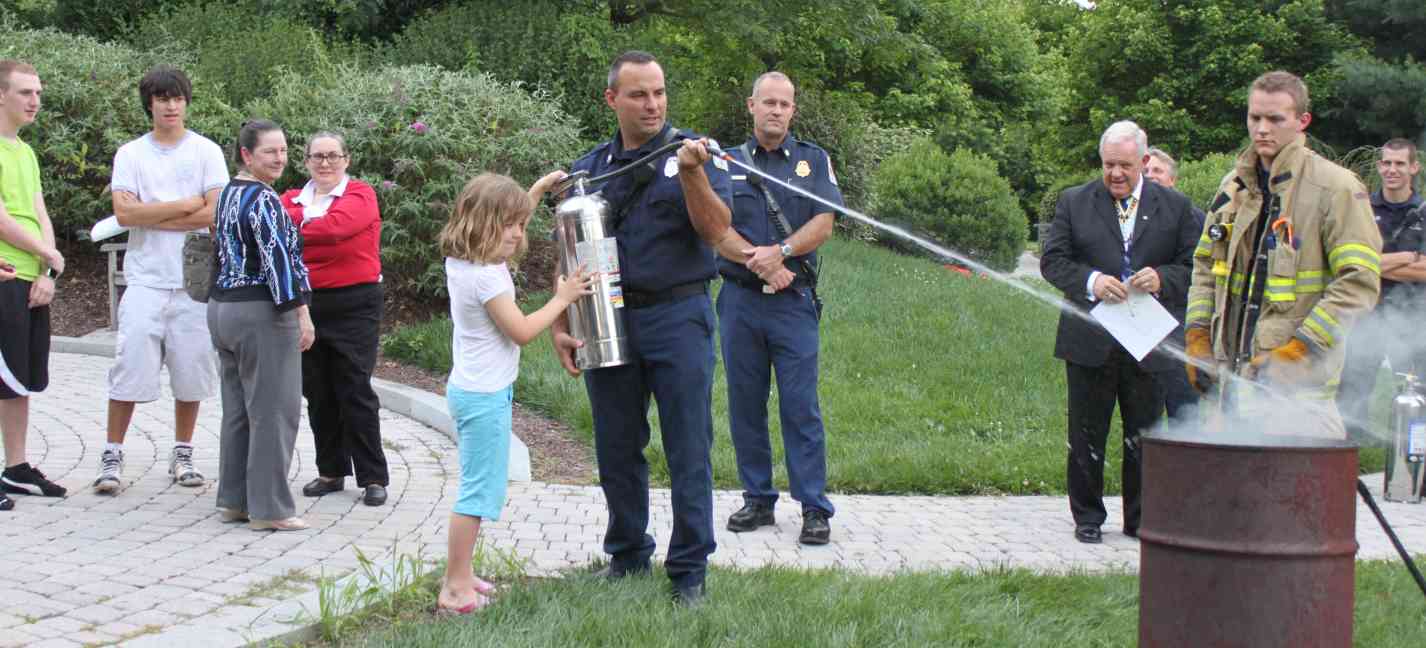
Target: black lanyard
{"x": 784, "y": 228}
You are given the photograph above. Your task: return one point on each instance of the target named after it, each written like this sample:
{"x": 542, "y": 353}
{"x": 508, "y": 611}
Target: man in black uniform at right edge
{"x": 1390, "y": 330}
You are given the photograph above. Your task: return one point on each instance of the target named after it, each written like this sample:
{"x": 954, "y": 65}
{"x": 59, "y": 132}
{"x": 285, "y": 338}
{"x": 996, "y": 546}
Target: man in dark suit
{"x": 1180, "y": 399}
{"x": 1109, "y": 237}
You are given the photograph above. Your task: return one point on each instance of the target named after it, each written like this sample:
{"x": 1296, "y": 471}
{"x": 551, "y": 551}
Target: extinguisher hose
{"x": 1395, "y": 541}
{"x": 605, "y": 177}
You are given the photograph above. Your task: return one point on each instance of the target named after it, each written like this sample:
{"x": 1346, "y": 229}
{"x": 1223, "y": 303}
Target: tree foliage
{"x": 1181, "y": 69}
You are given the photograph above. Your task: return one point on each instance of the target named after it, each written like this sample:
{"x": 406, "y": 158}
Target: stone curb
{"x": 416, "y": 404}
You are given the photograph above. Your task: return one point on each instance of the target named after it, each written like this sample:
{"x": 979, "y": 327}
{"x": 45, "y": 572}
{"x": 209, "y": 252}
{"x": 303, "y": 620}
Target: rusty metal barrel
{"x": 1249, "y": 545}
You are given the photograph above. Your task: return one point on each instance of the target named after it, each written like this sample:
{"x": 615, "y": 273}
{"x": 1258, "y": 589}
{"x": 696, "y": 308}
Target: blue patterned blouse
{"x": 259, "y": 248}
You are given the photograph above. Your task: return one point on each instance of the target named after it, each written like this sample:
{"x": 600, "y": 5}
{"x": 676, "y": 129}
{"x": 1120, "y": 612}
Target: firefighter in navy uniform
{"x": 1389, "y": 331}
{"x": 768, "y": 311}
{"x": 667, "y": 215}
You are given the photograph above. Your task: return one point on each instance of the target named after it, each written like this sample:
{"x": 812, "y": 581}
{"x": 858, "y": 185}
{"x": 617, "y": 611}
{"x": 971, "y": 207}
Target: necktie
{"x": 1126, "y": 211}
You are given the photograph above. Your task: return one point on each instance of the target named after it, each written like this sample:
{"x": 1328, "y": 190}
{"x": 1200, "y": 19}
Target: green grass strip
{"x": 785, "y": 607}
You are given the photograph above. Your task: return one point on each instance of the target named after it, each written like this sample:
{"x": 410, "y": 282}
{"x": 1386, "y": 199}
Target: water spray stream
{"x": 1054, "y": 300}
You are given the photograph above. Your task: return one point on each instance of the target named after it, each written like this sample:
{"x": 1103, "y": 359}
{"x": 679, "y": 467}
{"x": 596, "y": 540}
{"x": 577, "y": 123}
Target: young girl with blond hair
{"x": 485, "y": 231}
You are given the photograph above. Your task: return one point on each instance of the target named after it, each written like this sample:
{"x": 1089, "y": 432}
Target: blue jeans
{"x": 760, "y": 333}
{"x": 671, "y": 360}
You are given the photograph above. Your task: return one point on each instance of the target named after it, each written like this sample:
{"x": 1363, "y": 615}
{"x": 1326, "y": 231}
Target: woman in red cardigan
{"x": 341, "y": 237}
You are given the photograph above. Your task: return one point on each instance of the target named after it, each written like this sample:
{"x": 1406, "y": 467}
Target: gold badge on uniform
{"x": 804, "y": 169}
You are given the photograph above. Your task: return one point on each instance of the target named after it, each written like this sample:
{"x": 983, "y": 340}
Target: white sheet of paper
{"x": 1139, "y": 323}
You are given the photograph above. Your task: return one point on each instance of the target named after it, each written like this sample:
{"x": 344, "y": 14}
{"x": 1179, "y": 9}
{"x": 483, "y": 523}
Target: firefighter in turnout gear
{"x": 1289, "y": 258}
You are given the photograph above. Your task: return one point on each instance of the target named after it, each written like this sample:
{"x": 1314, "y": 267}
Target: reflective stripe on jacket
{"x": 1318, "y": 282}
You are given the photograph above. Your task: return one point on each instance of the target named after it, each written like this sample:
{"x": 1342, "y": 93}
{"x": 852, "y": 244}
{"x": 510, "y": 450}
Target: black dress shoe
{"x": 1088, "y": 534}
{"x": 689, "y": 596}
{"x": 615, "y": 571}
{"x": 375, "y": 495}
{"x": 750, "y": 517}
{"x": 815, "y": 529}
{"x": 322, "y": 486}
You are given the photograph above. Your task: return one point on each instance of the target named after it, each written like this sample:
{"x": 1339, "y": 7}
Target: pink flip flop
{"x": 485, "y": 587}
{"x": 480, "y": 602}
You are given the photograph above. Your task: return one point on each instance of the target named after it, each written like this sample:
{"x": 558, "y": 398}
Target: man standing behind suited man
{"x": 1110, "y": 237}
{"x": 1179, "y": 396}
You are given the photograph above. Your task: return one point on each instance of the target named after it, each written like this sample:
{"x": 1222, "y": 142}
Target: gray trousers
{"x": 261, "y": 372}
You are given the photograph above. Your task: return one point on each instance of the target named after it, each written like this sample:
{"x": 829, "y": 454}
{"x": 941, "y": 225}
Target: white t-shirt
{"x": 154, "y": 173}
{"x": 484, "y": 359}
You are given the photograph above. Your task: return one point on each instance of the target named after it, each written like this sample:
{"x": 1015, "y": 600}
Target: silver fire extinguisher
{"x": 586, "y": 238}
{"x": 1408, "y": 446}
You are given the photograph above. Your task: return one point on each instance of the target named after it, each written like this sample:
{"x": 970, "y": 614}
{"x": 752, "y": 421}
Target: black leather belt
{"x": 760, "y": 286}
{"x": 640, "y": 299}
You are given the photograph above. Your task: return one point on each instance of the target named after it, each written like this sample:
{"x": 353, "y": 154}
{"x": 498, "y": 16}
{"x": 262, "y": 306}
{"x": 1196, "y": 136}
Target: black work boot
{"x": 815, "y": 529}
{"x": 616, "y": 571}
{"x": 750, "y": 517}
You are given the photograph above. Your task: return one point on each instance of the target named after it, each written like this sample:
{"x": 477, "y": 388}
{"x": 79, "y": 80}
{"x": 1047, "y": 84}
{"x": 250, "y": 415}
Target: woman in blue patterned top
{"x": 257, "y": 315}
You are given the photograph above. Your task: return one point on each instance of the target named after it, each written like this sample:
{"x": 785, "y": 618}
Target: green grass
{"x": 931, "y": 382}
{"x": 827, "y": 608}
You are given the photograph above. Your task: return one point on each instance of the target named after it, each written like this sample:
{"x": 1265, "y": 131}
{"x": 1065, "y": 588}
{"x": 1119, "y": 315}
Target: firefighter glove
{"x": 1285, "y": 364}
{"x": 1199, "y": 348}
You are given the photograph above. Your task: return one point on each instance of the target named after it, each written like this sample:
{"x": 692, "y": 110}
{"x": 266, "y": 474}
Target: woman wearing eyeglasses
{"x": 341, "y": 235}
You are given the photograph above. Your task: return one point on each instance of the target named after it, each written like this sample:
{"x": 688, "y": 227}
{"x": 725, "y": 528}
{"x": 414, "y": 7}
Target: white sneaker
{"x": 180, "y": 467}
{"x": 111, "y": 467}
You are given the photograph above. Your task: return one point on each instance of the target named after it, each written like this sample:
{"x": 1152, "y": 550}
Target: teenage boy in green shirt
{"x": 27, "y": 251}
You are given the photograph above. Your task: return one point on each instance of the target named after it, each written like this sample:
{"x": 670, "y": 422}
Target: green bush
{"x": 958, "y": 199}
{"x": 856, "y": 143}
{"x": 91, "y": 108}
{"x": 417, "y": 134}
{"x": 237, "y": 47}
{"x": 108, "y": 20}
{"x": 1046, "y": 211}
{"x": 575, "y": 44}
{"x": 1199, "y": 179}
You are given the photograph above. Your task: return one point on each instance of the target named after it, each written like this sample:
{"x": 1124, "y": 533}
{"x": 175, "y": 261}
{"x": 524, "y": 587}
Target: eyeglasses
{"x": 331, "y": 158}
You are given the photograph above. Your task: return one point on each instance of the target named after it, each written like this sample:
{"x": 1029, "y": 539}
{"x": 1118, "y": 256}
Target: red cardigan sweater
{"x": 342, "y": 248}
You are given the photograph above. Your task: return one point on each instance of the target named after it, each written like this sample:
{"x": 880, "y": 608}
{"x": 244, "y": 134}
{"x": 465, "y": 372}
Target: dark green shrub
{"x": 1046, "y": 210}
{"x": 563, "y": 47}
{"x": 1199, "y": 179}
{"x": 416, "y": 134}
{"x": 91, "y": 108}
{"x": 957, "y": 199}
{"x": 236, "y": 46}
{"x": 107, "y": 20}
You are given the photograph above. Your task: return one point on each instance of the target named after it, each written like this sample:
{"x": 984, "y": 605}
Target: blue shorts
{"x": 483, "y": 434}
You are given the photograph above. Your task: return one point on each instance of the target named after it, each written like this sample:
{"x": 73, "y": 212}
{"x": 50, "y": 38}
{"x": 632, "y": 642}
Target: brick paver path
{"x": 154, "y": 565}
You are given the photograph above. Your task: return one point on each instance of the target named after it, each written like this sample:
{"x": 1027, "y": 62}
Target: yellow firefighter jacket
{"x": 1320, "y": 279}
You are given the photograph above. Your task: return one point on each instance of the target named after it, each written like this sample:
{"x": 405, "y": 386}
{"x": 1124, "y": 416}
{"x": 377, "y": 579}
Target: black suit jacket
{"x": 1085, "y": 237}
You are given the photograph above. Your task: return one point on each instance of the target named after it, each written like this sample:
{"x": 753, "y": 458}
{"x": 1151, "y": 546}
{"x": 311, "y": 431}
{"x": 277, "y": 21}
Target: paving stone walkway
{"x": 155, "y": 565}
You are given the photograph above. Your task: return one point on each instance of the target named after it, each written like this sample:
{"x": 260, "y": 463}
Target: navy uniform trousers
{"x": 762, "y": 333}
{"x": 671, "y": 353}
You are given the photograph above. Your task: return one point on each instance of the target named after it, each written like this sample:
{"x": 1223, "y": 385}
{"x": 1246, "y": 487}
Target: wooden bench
{"x": 116, "y": 278}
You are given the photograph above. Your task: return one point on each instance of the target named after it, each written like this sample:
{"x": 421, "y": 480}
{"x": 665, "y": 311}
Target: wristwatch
{"x": 786, "y": 249}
